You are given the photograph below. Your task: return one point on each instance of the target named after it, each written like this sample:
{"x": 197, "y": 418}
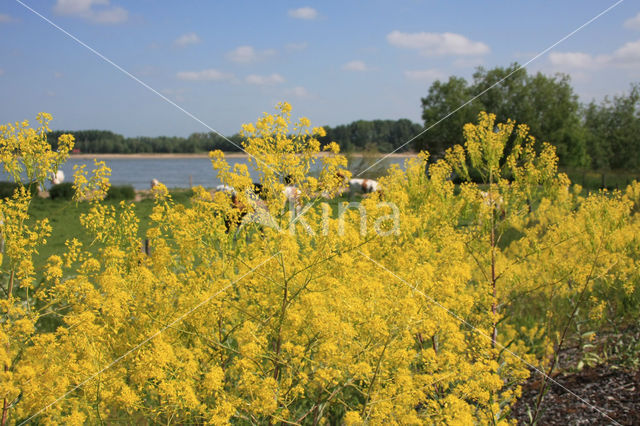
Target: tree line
{"x": 600, "y": 135}
{"x": 377, "y": 135}
{"x": 380, "y": 135}
{"x": 107, "y": 142}
{"x": 596, "y": 135}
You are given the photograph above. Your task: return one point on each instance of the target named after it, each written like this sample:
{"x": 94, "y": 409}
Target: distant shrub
{"x": 8, "y": 188}
{"x": 474, "y": 176}
{"x": 63, "y": 191}
{"x": 181, "y": 195}
{"x": 121, "y": 192}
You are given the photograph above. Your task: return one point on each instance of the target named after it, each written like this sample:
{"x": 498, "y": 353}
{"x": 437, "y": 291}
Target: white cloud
{"x": 572, "y": 59}
{"x": 424, "y": 75}
{"x": 247, "y": 54}
{"x": 57, "y": 74}
{"x": 355, "y": 66}
{"x": 4, "y": 18}
{"x": 629, "y": 54}
{"x": 187, "y": 39}
{"x": 267, "y": 80}
{"x": 115, "y": 15}
{"x": 99, "y": 11}
{"x": 204, "y": 75}
{"x": 298, "y": 91}
{"x": 435, "y": 44}
{"x": 308, "y": 13}
{"x": 633, "y": 23}
{"x": 293, "y": 47}
{"x": 626, "y": 56}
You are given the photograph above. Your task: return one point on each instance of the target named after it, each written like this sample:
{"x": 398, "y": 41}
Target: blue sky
{"x": 335, "y": 62}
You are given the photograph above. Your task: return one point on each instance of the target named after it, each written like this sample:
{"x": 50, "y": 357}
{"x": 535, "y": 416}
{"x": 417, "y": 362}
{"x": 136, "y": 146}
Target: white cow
{"x": 494, "y": 201}
{"x": 57, "y": 177}
{"x": 365, "y": 186}
{"x": 292, "y": 194}
{"x": 225, "y": 188}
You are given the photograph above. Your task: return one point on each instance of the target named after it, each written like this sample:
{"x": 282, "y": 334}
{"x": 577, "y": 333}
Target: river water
{"x": 181, "y": 172}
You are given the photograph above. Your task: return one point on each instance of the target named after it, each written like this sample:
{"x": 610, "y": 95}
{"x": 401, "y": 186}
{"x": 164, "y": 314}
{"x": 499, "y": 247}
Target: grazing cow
{"x": 291, "y": 193}
{"x": 493, "y": 201}
{"x": 225, "y": 188}
{"x": 343, "y": 186}
{"x": 364, "y": 186}
{"x": 57, "y": 177}
{"x": 255, "y": 197}
{"x": 369, "y": 186}
{"x": 154, "y": 182}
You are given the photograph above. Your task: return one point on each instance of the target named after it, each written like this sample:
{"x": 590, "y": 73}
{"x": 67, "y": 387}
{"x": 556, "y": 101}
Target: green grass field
{"x": 64, "y": 217}
{"x": 592, "y": 180}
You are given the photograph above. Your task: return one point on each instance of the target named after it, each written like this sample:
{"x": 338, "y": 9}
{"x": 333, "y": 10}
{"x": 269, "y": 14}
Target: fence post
{"x": 146, "y": 247}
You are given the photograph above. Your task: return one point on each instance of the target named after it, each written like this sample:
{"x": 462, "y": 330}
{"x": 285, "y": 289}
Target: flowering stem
{"x": 494, "y": 306}
{"x": 375, "y": 375}
{"x": 556, "y": 355}
{"x": 10, "y": 292}
{"x": 5, "y": 408}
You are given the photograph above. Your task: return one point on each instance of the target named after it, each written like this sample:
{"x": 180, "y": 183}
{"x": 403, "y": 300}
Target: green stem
{"x": 556, "y": 355}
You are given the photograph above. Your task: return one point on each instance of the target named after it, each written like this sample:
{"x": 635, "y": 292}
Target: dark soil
{"x": 615, "y": 392}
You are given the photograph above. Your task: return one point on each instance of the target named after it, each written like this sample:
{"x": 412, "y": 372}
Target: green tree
{"x": 444, "y": 98}
{"x": 381, "y": 135}
{"x": 547, "y": 104}
{"x": 506, "y": 92}
{"x": 612, "y": 128}
{"x": 556, "y": 116}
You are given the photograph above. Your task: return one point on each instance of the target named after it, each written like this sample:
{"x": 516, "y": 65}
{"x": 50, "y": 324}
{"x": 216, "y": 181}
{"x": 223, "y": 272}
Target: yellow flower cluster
{"x": 437, "y": 323}
{"x": 92, "y": 188}
{"x": 27, "y": 150}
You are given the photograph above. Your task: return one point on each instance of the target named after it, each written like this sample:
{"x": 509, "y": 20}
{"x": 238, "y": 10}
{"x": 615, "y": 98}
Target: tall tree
{"x": 556, "y": 117}
{"x": 613, "y": 128}
{"x": 443, "y": 99}
{"x": 383, "y": 135}
{"x": 547, "y": 104}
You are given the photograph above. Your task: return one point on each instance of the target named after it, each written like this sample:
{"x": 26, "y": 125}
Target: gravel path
{"x": 615, "y": 392}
